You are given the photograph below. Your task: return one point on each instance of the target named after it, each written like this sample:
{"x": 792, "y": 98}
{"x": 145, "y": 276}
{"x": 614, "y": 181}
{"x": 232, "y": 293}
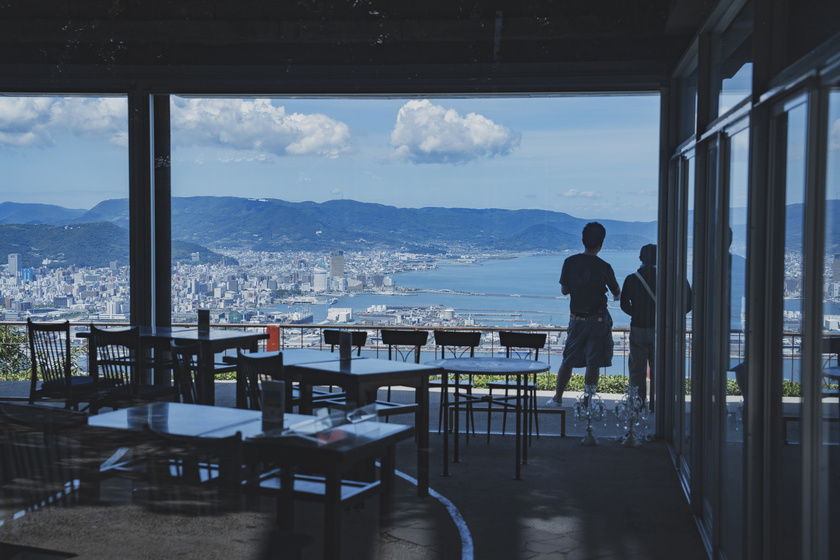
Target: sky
{"x": 592, "y": 157}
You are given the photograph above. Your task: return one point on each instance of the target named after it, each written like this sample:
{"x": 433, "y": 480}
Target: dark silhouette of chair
{"x": 51, "y": 362}
{"x": 332, "y": 337}
{"x": 384, "y": 408}
{"x": 254, "y": 368}
{"x": 457, "y": 344}
{"x": 404, "y": 344}
{"x": 527, "y": 347}
{"x": 357, "y": 339}
{"x": 185, "y": 369}
{"x": 115, "y": 363}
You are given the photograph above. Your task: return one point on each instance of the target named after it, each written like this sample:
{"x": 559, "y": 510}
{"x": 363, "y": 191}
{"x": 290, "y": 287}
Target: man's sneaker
{"x": 554, "y": 402}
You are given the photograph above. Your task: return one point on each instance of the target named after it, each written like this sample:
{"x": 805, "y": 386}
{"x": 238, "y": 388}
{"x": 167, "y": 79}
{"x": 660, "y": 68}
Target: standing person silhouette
{"x": 638, "y": 299}
{"x": 585, "y": 278}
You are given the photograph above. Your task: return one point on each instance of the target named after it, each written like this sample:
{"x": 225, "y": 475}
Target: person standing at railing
{"x": 638, "y": 299}
{"x": 585, "y": 278}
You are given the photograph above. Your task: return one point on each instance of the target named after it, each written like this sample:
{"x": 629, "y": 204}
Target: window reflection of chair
{"x": 254, "y": 368}
{"x": 457, "y": 344}
{"x": 40, "y": 457}
{"x": 527, "y": 347}
{"x": 187, "y": 472}
{"x": 830, "y": 381}
{"x": 51, "y": 362}
{"x": 831, "y": 374}
{"x": 114, "y": 361}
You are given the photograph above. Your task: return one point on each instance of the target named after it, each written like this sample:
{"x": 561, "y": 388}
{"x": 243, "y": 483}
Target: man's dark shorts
{"x": 589, "y": 342}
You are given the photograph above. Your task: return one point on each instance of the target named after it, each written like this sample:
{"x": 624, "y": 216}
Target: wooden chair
{"x": 358, "y": 339}
{"x": 525, "y": 346}
{"x": 51, "y": 362}
{"x": 332, "y": 337}
{"x": 384, "y": 408}
{"x": 457, "y": 344}
{"x": 114, "y": 361}
{"x": 253, "y": 368}
{"x": 185, "y": 369}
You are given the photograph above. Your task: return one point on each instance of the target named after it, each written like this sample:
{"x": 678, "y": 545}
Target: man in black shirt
{"x": 638, "y": 299}
{"x": 585, "y": 278}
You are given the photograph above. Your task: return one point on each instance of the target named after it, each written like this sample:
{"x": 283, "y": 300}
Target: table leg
{"x": 332, "y": 515}
{"x": 421, "y": 422}
{"x": 205, "y": 382}
{"x": 457, "y": 429}
{"x": 387, "y": 480}
{"x": 445, "y": 407}
{"x": 518, "y": 426}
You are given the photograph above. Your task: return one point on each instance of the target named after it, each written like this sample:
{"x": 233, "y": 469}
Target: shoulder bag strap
{"x": 645, "y": 284}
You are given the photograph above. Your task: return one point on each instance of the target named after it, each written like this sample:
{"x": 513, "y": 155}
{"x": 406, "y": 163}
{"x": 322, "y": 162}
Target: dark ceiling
{"x": 343, "y": 46}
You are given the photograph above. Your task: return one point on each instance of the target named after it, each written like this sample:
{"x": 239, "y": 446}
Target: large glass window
{"x": 64, "y": 201}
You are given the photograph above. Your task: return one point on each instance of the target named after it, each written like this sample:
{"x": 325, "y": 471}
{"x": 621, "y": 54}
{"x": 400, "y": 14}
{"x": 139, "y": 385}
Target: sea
{"x": 511, "y": 292}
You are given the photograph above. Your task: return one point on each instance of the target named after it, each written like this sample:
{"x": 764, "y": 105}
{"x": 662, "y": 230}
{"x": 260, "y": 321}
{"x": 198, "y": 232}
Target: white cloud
{"x": 427, "y": 133}
{"x": 574, "y": 193}
{"x": 33, "y": 121}
{"x": 257, "y": 126}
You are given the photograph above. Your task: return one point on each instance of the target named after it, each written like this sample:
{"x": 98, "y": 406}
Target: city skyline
{"x": 591, "y": 157}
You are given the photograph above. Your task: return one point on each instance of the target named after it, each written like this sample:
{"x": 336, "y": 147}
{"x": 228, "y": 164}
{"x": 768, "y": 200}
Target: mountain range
{"x": 277, "y": 225}
{"x": 206, "y": 224}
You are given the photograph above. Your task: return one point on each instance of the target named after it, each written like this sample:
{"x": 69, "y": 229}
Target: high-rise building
{"x": 14, "y": 264}
{"x": 337, "y": 264}
{"x": 837, "y": 268}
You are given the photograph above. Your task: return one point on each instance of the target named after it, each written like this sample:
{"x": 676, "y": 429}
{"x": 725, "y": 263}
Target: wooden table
{"x": 486, "y": 366}
{"x": 338, "y": 450}
{"x": 362, "y": 376}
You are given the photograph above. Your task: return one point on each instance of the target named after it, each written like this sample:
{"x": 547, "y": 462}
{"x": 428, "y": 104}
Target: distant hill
{"x": 20, "y": 213}
{"x": 277, "y": 225}
{"x": 90, "y": 245}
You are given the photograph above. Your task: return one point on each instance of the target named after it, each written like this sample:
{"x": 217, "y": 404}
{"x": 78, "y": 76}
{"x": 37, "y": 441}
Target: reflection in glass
{"x": 732, "y": 447}
{"x": 791, "y": 457}
{"x": 830, "y": 403}
{"x": 687, "y": 265}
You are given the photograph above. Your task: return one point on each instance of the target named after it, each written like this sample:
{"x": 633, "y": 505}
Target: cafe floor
{"x": 573, "y": 502}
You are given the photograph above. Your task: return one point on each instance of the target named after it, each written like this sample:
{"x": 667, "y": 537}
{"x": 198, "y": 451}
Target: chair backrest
{"x": 252, "y": 369}
{"x": 49, "y": 352}
{"x": 403, "y": 343}
{"x": 185, "y": 369}
{"x": 522, "y": 345}
{"x": 113, "y": 358}
{"x": 457, "y": 343}
{"x": 358, "y": 339}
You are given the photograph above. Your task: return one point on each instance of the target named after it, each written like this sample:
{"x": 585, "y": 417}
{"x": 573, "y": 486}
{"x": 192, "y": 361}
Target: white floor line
{"x": 463, "y": 530}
